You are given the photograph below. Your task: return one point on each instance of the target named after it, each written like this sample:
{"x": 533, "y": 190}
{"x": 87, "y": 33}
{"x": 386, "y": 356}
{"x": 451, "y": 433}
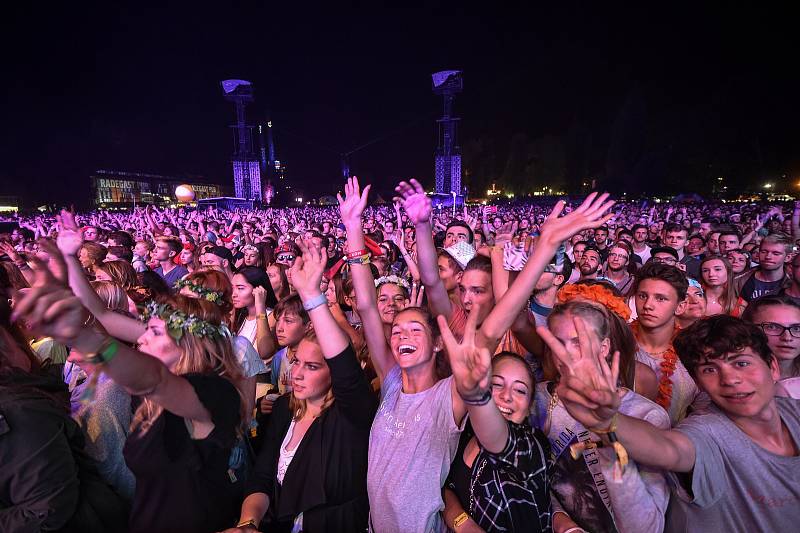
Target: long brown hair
{"x": 120, "y": 272}
{"x": 202, "y": 355}
{"x": 729, "y": 296}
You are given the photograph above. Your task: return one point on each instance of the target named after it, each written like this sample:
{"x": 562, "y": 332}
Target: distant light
{"x": 269, "y": 124}
{"x": 767, "y": 185}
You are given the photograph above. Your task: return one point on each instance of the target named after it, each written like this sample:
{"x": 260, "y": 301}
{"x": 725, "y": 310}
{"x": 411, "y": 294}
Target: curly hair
{"x": 716, "y": 336}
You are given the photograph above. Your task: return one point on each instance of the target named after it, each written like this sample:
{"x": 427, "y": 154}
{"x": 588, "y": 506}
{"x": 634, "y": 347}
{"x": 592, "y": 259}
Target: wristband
{"x": 261, "y": 316}
{"x": 104, "y": 354}
{"x": 359, "y": 260}
{"x": 357, "y": 253}
{"x": 483, "y": 399}
{"x": 316, "y": 301}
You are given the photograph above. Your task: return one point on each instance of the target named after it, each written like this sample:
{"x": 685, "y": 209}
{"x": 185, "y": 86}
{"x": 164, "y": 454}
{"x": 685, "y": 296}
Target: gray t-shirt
{"x": 737, "y": 485}
{"x": 411, "y": 445}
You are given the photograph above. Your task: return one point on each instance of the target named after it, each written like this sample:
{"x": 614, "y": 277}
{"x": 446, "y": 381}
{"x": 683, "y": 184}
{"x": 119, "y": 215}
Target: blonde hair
{"x": 200, "y": 355}
{"x": 297, "y": 407}
{"x": 112, "y": 295}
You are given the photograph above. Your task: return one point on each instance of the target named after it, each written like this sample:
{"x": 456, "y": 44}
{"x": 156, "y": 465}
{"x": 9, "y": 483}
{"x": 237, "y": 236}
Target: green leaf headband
{"x": 204, "y": 292}
{"x": 177, "y": 322}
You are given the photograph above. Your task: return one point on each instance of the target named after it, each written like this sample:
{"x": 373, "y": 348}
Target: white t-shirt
{"x": 411, "y": 445}
{"x": 286, "y": 455}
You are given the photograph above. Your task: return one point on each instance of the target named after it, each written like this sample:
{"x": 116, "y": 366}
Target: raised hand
{"x": 417, "y": 293}
{"x": 50, "y": 307}
{"x": 354, "y": 202}
{"x": 471, "y": 363}
{"x": 590, "y": 214}
{"x": 307, "y": 269}
{"x": 588, "y": 385}
{"x": 8, "y": 249}
{"x": 506, "y": 233}
{"x": 416, "y": 203}
{"x": 69, "y": 239}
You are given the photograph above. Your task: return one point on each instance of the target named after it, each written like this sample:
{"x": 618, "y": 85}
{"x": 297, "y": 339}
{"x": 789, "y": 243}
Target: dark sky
{"x": 137, "y": 88}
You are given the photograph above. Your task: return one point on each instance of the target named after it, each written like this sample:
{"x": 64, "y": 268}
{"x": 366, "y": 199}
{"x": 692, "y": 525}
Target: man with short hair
{"x": 589, "y": 265}
{"x": 696, "y": 246}
{"x": 543, "y": 296}
{"x": 735, "y": 465}
{"x": 165, "y": 252}
{"x": 675, "y": 236}
{"x": 617, "y": 271}
{"x": 601, "y": 241}
{"x": 706, "y": 226}
{"x": 456, "y": 231}
{"x": 640, "y": 247}
{"x": 218, "y": 258}
{"x": 729, "y": 239}
{"x": 712, "y": 243}
{"x": 659, "y": 296}
{"x": 770, "y": 276}
{"x": 577, "y": 254}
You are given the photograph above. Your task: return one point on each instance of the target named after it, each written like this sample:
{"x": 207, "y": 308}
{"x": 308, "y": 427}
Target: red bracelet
{"x": 357, "y": 253}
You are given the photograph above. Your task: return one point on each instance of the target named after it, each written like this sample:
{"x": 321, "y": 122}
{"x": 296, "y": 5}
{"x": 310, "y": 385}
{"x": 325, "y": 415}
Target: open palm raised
{"x": 416, "y": 203}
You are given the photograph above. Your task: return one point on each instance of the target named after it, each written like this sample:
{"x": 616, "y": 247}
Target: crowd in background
{"x": 572, "y": 365}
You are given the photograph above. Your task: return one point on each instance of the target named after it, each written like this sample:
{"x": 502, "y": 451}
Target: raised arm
{"x": 58, "y": 313}
{"x": 555, "y": 230}
{"x": 306, "y": 276}
{"x": 588, "y": 390}
{"x": 351, "y": 207}
{"x": 472, "y": 371}
{"x": 69, "y": 242}
{"x": 418, "y": 208}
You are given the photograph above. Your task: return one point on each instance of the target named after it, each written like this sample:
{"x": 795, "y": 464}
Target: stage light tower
{"x": 448, "y": 83}
{"x": 246, "y": 168}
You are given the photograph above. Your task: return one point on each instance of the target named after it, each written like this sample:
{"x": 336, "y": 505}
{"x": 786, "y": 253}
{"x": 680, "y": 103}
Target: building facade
{"x": 111, "y": 188}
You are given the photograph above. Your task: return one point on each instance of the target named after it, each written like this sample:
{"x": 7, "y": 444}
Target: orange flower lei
{"x": 668, "y": 365}
{"x": 595, "y": 293}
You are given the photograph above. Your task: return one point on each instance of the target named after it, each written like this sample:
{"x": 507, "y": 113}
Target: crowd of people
{"x": 571, "y": 366}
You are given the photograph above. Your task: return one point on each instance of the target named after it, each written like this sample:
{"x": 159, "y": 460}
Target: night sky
{"x": 657, "y": 99}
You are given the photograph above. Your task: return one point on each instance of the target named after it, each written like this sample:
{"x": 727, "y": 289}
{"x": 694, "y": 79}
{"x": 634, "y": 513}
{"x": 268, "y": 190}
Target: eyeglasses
{"x": 665, "y": 260}
{"x": 285, "y": 258}
{"x": 776, "y": 330}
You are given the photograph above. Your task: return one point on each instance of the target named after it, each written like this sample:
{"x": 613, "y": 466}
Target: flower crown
{"x": 204, "y": 292}
{"x": 396, "y": 280}
{"x": 177, "y": 322}
{"x": 595, "y": 293}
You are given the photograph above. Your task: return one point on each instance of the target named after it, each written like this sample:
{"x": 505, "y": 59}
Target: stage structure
{"x": 448, "y": 83}
{"x": 246, "y": 164}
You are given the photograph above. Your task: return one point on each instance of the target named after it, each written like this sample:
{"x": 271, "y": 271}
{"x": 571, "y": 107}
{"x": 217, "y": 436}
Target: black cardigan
{"x": 327, "y": 478}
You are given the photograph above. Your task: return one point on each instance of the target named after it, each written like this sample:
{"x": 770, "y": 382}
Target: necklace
{"x": 472, "y": 486}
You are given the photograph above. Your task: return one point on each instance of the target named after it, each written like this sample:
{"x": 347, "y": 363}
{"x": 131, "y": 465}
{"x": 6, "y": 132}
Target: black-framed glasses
{"x": 774, "y": 329}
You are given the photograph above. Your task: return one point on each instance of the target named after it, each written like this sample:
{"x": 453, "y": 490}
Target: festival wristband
{"x": 104, "y": 354}
{"x": 316, "y": 301}
{"x": 360, "y": 260}
{"x": 357, "y": 253}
